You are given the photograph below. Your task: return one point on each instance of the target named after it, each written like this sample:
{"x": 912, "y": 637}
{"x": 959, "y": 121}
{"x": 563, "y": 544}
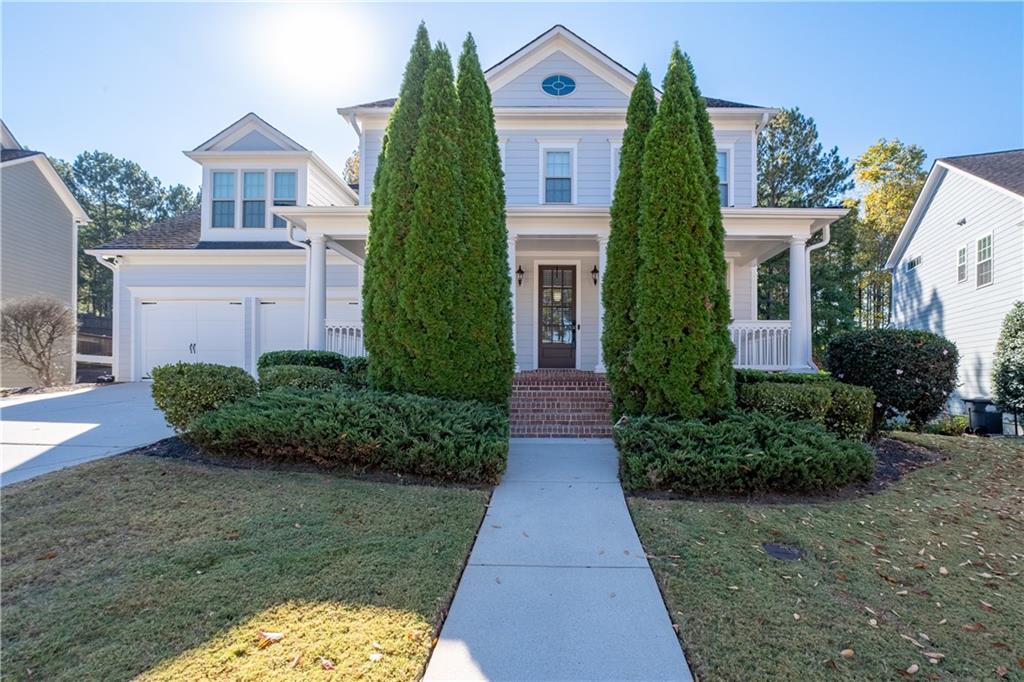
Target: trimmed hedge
{"x": 450, "y": 440}
{"x": 298, "y": 376}
{"x": 843, "y": 409}
{"x": 912, "y": 372}
{"x": 743, "y": 453}
{"x": 755, "y": 376}
{"x": 354, "y": 370}
{"x": 186, "y": 390}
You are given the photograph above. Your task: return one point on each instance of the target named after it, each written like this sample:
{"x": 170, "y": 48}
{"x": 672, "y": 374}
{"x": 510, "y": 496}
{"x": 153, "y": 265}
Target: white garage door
{"x": 192, "y": 331}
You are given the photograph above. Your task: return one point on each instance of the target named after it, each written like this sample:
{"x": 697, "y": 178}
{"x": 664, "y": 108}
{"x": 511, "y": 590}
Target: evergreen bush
{"x": 1008, "y": 366}
{"x": 297, "y": 376}
{"x": 185, "y": 390}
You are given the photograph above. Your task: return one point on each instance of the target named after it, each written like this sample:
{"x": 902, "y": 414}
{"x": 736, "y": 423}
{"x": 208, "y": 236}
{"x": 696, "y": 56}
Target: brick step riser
{"x": 560, "y": 405}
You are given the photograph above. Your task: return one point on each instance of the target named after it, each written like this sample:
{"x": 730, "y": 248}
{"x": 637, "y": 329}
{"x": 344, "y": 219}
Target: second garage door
{"x": 192, "y": 331}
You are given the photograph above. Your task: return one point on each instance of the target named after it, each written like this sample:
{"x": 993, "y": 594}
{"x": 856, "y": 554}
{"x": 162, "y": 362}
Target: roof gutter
{"x": 304, "y": 245}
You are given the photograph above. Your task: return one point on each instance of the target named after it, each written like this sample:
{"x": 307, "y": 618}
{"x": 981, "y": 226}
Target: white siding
{"x": 322, "y": 191}
{"x": 744, "y": 302}
{"x": 929, "y": 296}
{"x": 369, "y": 153}
{"x": 591, "y": 89}
{"x": 740, "y": 146}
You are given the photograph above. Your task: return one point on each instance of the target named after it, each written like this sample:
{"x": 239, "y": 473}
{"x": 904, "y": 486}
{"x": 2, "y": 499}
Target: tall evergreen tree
{"x": 679, "y": 346}
{"x": 390, "y": 217}
{"x": 485, "y": 282}
{"x": 434, "y": 323}
{"x": 618, "y": 287}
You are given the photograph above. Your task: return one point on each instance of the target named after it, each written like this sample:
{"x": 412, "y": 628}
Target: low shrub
{"x": 450, "y": 440}
{"x": 298, "y": 376}
{"x": 186, "y": 390}
{"x": 743, "y": 453}
{"x": 843, "y": 409}
{"x": 947, "y": 425}
{"x": 354, "y": 370}
{"x": 756, "y": 376}
{"x": 911, "y": 372}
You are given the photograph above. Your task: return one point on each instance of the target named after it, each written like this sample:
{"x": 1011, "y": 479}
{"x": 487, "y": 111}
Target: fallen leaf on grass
{"x": 846, "y": 653}
{"x": 974, "y": 627}
{"x": 268, "y": 638}
{"x": 912, "y": 670}
{"x": 47, "y": 556}
{"x": 295, "y": 661}
{"x": 1002, "y": 671}
{"x": 326, "y": 663}
{"x": 988, "y": 607}
{"x": 376, "y": 656}
{"x": 796, "y": 616}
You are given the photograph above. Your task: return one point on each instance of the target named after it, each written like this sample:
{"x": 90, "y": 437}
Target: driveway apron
{"x": 557, "y": 586}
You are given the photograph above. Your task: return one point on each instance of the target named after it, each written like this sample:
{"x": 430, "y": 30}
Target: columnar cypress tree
{"x": 484, "y": 294}
{"x": 434, "y": 323}
{"x": 390, "y": 217}
{"x": 618, "y": 287}
{"x": 679, "y": 350}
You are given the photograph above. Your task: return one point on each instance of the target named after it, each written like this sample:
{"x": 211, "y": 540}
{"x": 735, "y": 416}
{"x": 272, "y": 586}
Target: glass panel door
{"x": 557, "y": 316}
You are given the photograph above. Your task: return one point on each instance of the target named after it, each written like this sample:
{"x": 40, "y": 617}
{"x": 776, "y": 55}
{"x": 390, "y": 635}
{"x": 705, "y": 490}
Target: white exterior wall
{"x": 929, "y": 296}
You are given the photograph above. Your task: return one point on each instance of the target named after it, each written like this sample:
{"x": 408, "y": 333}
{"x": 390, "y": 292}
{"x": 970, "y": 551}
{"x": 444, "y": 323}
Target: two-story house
{"x": 274, "y": 257}
{"x": 958, "y": 265}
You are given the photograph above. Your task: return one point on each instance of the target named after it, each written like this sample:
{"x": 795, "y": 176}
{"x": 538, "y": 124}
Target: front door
{"x": 557, "y": 317}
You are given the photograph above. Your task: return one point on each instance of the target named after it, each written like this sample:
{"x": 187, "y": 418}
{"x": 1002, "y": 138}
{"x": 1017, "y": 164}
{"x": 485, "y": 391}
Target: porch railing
{"x": 345, "y": 338}
{"x": 761, "y": 344}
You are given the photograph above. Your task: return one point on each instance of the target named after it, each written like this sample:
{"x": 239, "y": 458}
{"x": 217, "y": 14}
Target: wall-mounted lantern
{"x": 519, "y": 275}
{"x": 594, "y": 273}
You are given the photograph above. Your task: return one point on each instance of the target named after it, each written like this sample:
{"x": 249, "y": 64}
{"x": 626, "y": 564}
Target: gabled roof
{"x": 181, "y": 232}
{"x": 1002, "y": 170}
{"x": 7, "y": 139}
{"x": 248, "y": 124}
{"x": 13, "y": 154}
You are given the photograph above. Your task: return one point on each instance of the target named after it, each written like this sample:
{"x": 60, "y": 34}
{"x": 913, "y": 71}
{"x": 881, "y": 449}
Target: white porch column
{"x": 602, "y": 263}
{"x": 799, "y": 307}
{"x": 514, "y": 286}
{"x": 317, "y": 303}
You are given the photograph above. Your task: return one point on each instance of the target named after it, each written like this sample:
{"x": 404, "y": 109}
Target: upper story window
{"x": 913, "y": 263}
{"x": 223, "y": 199}
{"x": 558, "y": 85}
{"x": 983, "y": 267}
{"x": 254, "y": 205}
{"x": 285, "y": 192}
{"x": 961, "y": 264}
{"x": 558, "y": 177}
{"x": 723, "y": 178}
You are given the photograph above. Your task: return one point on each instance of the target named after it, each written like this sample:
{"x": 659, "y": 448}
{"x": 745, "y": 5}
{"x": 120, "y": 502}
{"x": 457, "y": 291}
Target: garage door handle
{"x": 191, "y": 348}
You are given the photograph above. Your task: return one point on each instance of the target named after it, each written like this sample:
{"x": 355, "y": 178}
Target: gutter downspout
{"x": 114, "y": 265}
{"x": 304, "y": 245}
{"x": 826, "y": 237}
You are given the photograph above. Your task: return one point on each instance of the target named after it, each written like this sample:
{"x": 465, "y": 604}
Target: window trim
{"x": 238, "y": 170}
{"x": 247, "y": 200}
{"x": 991, "y": 259}
{"x": 570, "y": 145}
{"x": 727, "y": 149}
{"x": 214, "y": 199}
{"x": 965, "y": 250}
{"x": 575, "y": 85}
{"x": 273, "y": 196}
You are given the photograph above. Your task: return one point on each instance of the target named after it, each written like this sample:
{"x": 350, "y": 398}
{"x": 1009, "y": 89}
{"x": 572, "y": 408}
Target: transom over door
{"x": 557, "y": 316}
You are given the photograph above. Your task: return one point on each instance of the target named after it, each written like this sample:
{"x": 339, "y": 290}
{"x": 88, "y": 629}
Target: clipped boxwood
{"x": 756, "y": 376}
{"x": 743, "y": 453}
{"x": 843, "y": 409}
{"x": 185, "y": 390}
{"x": 298, "y": 376}
{"x": 354, "y": 370}
{"x": 450, "y": 440}
{"x": 911, "y": 372}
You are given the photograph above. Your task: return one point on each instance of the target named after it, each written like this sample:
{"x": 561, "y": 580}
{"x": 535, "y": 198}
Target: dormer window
{"x": 285, "y": 192}
{"x": 254, "y": 205}
{"x": 223, "y": 199}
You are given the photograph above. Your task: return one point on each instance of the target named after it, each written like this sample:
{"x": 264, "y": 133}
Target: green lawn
{"x": 164, "y": 569}
{"x": 928, "y": 570}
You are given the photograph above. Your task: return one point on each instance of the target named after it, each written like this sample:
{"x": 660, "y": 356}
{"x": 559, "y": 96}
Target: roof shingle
{"x": 14, "y": 154}
{"x": 1004, "y": 169}
{"x": 183, "y": 232}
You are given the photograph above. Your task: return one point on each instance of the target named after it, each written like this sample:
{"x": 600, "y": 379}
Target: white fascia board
{"x": 979, "y": 180}
{"x": 243, "y": 127}
{"x": 78, "y": 213}
{"x": 254, "y": 156}
{"x": 935, "y": 176}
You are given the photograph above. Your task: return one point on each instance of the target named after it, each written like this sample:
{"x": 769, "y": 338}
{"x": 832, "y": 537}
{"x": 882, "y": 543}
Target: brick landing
{"x": 560, "y": 403}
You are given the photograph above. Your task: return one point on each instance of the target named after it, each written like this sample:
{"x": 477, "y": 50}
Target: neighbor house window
{"x": 983, "y": 268}
{"x": 558, "y": 177}
{"x": 722, "y": 170}
{"x": 223, "y": 199}
{"x": 913, "y": 263}
{"x": 254, "y": 205}
{"x": 961, "y": 264}
{"x": 284, "y": 192}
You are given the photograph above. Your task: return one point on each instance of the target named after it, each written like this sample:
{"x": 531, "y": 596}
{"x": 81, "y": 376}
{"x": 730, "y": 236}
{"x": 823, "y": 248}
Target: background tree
{"x": 390, "y": 217}
{"x": 618, "y": 286}
{"x": 351, "y": 172}
{"x": 435, "y": 323}
{"x": 485, "y": 287}
{"x": 1008, "y": 367}
{"x": 678, "y": 345}
{"x": 36, "y": 333}
{"x": 120, "y": 198}
{"x": 890, "y": 174}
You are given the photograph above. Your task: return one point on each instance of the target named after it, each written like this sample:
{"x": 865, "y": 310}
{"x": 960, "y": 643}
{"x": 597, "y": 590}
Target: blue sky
{"x": 146, "y": 81}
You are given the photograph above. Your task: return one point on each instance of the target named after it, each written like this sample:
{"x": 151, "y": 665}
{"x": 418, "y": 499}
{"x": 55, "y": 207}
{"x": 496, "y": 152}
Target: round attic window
{"x": 558, "y": 85}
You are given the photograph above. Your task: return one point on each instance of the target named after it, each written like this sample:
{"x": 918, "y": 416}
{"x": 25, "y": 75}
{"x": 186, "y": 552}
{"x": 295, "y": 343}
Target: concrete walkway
{"x": 557, "y": 586}
{"x": 50, "y": 431}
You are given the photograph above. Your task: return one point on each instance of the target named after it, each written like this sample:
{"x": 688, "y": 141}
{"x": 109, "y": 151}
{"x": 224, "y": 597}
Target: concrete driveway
{"x": 46, "y": 432}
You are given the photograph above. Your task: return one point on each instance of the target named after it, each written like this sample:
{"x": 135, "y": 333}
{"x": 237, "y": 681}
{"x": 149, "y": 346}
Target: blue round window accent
{"x": 558, "y": 85}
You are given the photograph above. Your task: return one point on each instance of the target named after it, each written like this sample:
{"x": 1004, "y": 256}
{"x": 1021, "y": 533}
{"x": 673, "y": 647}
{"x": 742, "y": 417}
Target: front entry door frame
{"x": 536, "y": 305}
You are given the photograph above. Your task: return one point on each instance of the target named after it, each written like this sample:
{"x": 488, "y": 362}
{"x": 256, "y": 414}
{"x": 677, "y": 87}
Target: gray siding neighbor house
{"x": 958, "y": 265}
{"x": 39, "y": 221}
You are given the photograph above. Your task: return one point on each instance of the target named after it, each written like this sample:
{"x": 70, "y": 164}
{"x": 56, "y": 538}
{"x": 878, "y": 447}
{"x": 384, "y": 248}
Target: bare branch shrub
{"x": 34, "y": 332}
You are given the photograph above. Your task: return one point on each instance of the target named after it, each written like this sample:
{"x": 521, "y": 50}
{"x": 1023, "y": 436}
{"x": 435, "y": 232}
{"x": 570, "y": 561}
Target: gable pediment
{"x": 250, "y": 133}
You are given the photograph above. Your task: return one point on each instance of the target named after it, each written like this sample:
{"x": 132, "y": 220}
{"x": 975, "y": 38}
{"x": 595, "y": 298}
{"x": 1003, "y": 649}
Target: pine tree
{"x": 390, "y": 216}
{"x": 679, "y": 351}
{"x": 488, "y": 359}
{"x": 434, "y": 322}
{"x": 618, "y": 288}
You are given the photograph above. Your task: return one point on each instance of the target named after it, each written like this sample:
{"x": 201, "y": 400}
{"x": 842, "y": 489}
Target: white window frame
{"x": 239, "y": 172}
{"x": 991, "y": 259}
{"x": 730, "y": 199}
{"x": 272, "y": 186}
{"x": 234, "y": 199}
{"x": 615, "y": 154}
{"x": 545, "y": 145}
{"x": 964, "y": 250}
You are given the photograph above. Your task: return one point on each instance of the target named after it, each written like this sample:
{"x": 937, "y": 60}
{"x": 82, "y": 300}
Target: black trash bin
{"x": 983, "y": 418}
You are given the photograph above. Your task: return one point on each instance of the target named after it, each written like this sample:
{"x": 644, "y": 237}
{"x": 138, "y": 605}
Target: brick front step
{"x": 560, "y": 404}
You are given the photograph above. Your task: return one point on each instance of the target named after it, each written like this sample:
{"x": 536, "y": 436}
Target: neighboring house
{"x": 958, "y": 265}
{"x": 274, "y": 256}
{"x": 39, "y": 221}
